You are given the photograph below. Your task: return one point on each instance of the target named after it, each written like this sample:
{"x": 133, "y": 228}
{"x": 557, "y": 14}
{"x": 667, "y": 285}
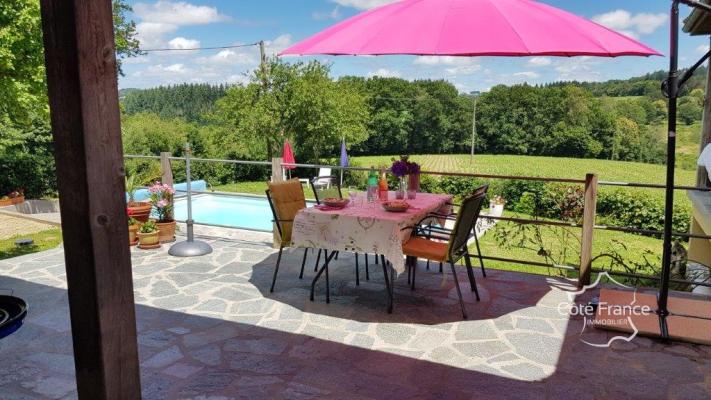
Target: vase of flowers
{"x": 161, "y": 197}
{"x": 413, "y": 184}
{"x": 408, "y": 174}
{"x": 399, "y": 169}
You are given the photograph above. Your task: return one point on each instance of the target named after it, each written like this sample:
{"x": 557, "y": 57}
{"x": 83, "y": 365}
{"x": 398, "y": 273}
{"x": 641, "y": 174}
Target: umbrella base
{"x": 689, "y": 319}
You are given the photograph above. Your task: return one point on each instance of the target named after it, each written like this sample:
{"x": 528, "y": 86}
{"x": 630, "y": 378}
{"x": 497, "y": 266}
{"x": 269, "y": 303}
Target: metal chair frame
{"x": 458, "y": 246}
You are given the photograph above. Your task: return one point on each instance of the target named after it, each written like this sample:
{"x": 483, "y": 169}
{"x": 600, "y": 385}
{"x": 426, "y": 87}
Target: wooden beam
{"x": 589, "y": 213}
{"x": 166, "y": 169}
{"x": 702, "y": 178}
{"x": 83, "y": 96}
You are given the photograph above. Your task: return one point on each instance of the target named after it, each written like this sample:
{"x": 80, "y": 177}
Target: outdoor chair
{"x": 286, "y": 198}
{"x": 324, "y": 187}
{"x": 443, "y": 245}
{"x": 323, "y": 173}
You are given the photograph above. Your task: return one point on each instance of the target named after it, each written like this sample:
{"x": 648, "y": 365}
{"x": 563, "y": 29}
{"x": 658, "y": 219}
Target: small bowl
{"x": 335, "y": 202}
{"x": 396, "y": 206}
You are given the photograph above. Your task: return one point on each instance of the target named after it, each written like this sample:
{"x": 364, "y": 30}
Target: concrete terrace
{"x": 208, "y": 328}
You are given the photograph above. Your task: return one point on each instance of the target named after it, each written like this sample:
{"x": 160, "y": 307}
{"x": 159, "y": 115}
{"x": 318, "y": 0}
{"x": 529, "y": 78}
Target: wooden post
{"x": 166, "y": 170}
{"x": 702, "y": 178}
{"x": 83, "y": 96}
{"x": 277, "y": 170}
{"x": 589, "y": 213}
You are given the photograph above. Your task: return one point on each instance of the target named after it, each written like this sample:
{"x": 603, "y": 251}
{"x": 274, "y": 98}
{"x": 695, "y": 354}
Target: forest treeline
{"x": 617, "y": 119}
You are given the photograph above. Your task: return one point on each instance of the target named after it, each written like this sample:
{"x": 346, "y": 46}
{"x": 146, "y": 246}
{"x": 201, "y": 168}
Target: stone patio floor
{"x": 208, "y": 328}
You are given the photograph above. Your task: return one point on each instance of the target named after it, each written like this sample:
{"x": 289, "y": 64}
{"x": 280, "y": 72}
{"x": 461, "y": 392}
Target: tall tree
{"x": 300, "y": 101}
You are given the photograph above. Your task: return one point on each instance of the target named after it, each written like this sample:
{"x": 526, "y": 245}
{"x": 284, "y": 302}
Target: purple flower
{"x": 413, "y": 168}
{"x": 399, "y": 168}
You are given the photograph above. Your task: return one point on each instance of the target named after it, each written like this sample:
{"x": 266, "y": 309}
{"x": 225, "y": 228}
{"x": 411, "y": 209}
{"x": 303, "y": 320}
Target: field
{"x": 549, "y": 167}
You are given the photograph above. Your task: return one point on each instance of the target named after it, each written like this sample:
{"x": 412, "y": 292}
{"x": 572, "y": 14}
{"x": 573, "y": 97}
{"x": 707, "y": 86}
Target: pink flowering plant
{"x": 161, "y": 196}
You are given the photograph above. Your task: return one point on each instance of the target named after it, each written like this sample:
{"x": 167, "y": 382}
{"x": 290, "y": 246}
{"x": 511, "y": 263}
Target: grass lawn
{"x": 44, "y": 240}
{"x": 257, "y": 188}
{"x": 636, "y": 247}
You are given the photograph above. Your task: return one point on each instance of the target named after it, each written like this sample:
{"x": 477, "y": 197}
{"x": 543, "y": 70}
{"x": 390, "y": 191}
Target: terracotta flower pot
{"x": 167, "y": 231}
{"x": 148, "y": 240}
{"x": 140, "y": 210}
{"x": 132, "y": 238}
{"x": 5, "y": 202}
{"x": 18, "y": 200}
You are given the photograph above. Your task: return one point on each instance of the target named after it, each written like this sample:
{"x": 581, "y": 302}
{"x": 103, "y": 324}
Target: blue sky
{"x": 210, "y": 23}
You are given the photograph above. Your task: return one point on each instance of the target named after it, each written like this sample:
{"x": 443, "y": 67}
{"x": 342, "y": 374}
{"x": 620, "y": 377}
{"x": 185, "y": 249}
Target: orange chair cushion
{"x": 427, "y": 249}
{"x": 288, "y": 199}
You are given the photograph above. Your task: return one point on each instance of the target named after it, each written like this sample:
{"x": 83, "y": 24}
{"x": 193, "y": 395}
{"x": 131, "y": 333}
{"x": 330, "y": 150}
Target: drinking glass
{"x": 353, "y": 196}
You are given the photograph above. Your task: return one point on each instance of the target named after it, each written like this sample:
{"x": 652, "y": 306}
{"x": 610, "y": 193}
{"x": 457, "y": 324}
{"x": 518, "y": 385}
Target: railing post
{"x": 166, "y": 170}
{"x": 277, "y": 170}
{"x": 589, "y": 213}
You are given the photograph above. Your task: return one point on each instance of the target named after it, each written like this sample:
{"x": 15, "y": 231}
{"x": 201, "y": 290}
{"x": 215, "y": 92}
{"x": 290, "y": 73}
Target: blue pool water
{"x": 240, "y": 212}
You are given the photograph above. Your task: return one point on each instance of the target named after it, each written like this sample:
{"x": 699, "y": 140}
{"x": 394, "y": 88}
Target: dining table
{"x": 366, "y": 227}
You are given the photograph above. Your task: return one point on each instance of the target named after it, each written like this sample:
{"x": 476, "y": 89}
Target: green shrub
{"x": 640, "y": 210}
{"x": 459, "y": 186}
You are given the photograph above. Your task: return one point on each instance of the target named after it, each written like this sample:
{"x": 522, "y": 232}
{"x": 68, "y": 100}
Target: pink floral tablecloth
{"x": 365, "y": 227}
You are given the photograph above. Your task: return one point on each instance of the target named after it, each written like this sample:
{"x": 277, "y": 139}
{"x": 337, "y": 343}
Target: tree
{"x": 301, "y": 102}
{"x": 25, "y": 136}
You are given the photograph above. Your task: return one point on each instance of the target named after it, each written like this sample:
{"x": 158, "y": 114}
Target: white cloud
{"x": 178, "y": 13}
{"x": 163, "y": 17}
{"x": 150, "y": 34}
{"x": 540, "y": 61}
{"x": 333, "y": 14}
{"x": 632, "y": 24}
{"x": 463, "y": 69}
{"x": 231, "y": 57}
{"x": 280, "y": 43}
{"x": 183, "y": 43}
{"x": 443, "y": 60}
{"x": 363, "y": 4}
{"x": 702, "y": 49}
{"x": 216, "y": 66}
{"x": 384, "y": 73}
{"x": 583, "y": 69}
{"x": 527, "y": 74}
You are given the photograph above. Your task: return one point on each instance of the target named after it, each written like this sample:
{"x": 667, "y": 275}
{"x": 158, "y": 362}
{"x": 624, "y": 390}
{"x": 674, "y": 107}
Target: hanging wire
{"x": 201, "y": 48}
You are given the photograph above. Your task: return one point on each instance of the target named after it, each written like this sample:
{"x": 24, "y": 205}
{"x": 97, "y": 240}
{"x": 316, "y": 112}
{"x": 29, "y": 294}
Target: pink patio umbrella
{"x": 469, "y": 28}
{"x": 287, "y": 156}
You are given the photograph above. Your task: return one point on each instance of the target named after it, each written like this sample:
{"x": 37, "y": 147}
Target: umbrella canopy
{"x": 344, "y": 154}
{"x": 470, "y": 28}
{"x": 288, "y": 156}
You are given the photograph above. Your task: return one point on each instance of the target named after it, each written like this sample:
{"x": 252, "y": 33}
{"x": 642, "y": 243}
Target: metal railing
{"x": 588, "y": 225}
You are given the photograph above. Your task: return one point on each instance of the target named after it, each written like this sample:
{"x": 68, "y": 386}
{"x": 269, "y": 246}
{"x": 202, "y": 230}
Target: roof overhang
{"x": 698, "y": 22}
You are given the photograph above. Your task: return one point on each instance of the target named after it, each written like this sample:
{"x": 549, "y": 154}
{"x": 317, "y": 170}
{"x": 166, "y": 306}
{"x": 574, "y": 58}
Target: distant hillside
{"x": 645, "y": 85}
{"x": 189, "y": 101}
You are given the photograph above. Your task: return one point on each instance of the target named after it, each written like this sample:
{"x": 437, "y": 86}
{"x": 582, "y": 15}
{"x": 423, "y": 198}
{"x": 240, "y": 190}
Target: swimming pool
{"x": 232, "y": 211}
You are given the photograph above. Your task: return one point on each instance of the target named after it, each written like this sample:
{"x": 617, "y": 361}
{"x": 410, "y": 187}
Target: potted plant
{"x": 496, "y": 206}
{"x": 140, "y": 210}
{"x": 148, "y": 236}
{"x": 133, "y": 226}
{"x": 161, "y": 196}
{"x": 17, "y": 196}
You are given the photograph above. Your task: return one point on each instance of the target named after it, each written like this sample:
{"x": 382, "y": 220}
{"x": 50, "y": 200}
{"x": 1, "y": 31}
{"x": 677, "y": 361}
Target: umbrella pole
{"x": 671, "y": 86}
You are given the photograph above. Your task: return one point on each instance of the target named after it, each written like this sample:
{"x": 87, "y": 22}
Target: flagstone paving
{"x": 208, "y": 328}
